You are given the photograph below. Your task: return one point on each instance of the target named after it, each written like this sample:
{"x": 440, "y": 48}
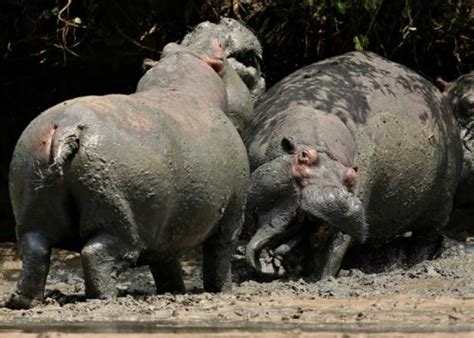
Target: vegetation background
{"x": 52, "y": 50}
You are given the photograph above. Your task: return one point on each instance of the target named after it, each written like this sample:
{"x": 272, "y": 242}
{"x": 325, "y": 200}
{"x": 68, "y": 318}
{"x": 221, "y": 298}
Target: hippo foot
{"x": 18, "y": 302}
{"x": 272, "y": 264}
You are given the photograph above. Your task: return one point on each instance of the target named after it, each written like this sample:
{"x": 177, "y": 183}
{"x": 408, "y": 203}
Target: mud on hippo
{"x": 135, "y": 179}
{"x": 459, "y": 96}
{"x": 351, "y": 149}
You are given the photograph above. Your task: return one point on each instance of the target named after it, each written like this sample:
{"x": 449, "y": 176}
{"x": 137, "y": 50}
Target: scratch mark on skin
{"x": 46, "y": 142}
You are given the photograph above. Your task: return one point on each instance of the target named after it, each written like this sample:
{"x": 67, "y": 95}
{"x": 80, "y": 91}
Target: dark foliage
{"x": 52, "y": 50}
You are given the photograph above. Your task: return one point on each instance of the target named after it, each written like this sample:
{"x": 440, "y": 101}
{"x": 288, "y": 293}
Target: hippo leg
{"x": 326, "y": 261}
{"x": 218, "y": 249}
{"x": 168, "y": 276}
{"x": 102, "y": 262}
{"x": 217, "y": 264}
{"x": 423, "y": 245}
{"x": 35, "y": 256}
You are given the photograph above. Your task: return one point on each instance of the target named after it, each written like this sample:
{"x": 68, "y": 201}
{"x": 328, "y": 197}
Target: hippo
{"x": 355, "y": 148}
{"x": 459, "y": 96}
{"x": 241, "y": 47}
{"x": 133, "y": 180}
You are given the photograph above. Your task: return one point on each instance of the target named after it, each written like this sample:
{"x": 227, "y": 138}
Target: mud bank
{"x": 434, "y": 296}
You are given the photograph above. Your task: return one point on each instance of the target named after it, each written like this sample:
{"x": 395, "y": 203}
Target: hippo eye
{"x": 466, "y": 106}
{"x": 288, "y": 145}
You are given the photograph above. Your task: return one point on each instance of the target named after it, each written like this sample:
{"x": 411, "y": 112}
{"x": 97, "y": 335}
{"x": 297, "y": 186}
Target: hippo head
{"x": 240, "y": 46}
{"x": 306, "y": 173}
{"x": 459, "y": 95}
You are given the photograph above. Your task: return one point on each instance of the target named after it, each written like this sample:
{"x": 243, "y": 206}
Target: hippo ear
{"x": 441, "y": 84}
{"x": 216, "y": 58}
{"x": 228, "y": 44}
{"x": 148, "y": 64}
{"x": 217, "y": 64}
{"x": 288, "y": 145}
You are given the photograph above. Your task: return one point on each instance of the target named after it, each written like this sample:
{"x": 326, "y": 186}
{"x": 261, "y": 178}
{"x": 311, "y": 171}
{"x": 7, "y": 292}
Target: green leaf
{"x": 341, "y": 6}
{"x": 361, "y": 42}
{"x": 371, "y": 5}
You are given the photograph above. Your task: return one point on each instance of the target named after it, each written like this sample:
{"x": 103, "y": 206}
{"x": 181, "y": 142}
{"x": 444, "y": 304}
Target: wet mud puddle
{"x": 432, "y": 297}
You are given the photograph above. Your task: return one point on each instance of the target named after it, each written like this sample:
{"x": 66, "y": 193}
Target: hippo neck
{"x": 186, "y": 75}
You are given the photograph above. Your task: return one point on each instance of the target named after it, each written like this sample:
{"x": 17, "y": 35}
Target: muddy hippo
{"x": 133, "y": 179}
{"x": 241, "y": 47}
{"x": 459, "y": 96}
{"x": 356, "y": 147}
{"x": 244, "y": 54}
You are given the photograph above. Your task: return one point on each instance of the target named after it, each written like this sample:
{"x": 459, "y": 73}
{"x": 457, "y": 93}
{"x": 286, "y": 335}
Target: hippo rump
{"x": 358, "y": 149}
{"x": 133, "y": 179}
{"x": 459, "y": 96}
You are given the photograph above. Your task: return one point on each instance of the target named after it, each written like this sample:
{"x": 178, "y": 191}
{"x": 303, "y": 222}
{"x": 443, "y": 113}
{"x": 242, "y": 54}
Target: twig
{"x": 373, "y": 18}
{"x": 135, "y": 42}
{"x": 67, "y": 22}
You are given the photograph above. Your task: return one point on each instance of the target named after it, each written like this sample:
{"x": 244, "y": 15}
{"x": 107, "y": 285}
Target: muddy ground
{"x": 434, "y": 296}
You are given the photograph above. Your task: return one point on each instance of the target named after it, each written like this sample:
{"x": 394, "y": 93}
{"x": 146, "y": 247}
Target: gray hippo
{"x": 244, "y": 54}
{"x": 241, "y": 47}
{"x": 133, "y": 179}
{"x": 459, "y": 96}
{"x": 356, "y": 147}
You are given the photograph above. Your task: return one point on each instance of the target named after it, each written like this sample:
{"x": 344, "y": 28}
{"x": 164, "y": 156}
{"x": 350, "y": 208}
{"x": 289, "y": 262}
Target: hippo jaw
{"x": 325, "y": 209}
{"x": 309, "y": 185}
{"x": 337, "y": 207}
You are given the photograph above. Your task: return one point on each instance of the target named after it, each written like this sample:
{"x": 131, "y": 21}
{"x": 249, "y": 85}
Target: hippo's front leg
{"x": 317, "y": 254}
{"x": 325, "y": 261}
{"x": 35, "y": 255}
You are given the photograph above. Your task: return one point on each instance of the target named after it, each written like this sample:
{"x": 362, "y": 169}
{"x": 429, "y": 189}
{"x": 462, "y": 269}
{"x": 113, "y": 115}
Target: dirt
{"x": 434, "y": 296}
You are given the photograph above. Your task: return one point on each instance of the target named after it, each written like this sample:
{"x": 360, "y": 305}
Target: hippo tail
{"x": 64, "y": 145}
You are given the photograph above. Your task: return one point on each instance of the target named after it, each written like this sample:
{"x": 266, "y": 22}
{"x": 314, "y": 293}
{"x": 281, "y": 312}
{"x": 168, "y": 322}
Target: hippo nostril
{"x": 308, "y": 156}
{"x": 351, "y": 177}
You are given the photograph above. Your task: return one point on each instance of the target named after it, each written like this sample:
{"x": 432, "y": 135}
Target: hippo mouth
{"x": 292, "y": 253}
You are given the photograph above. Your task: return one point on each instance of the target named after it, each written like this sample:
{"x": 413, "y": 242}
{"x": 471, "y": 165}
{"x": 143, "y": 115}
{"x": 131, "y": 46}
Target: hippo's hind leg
{"x": 103, "y": 259}
{"x": 218, "y": 249}
{"x": 168, "y": 276}
{"x": 35, "y": 255}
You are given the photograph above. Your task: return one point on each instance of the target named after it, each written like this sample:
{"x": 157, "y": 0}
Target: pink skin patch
{"x": 307, "y": 157}
{"x": 302, "y": 160}
{"x": 216, "y": 64}
{"x": 45, "y": 142}
{"x": 217, "y": 60}
{"x": 218, "y": 52}
{"x": 351, "y": 178}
